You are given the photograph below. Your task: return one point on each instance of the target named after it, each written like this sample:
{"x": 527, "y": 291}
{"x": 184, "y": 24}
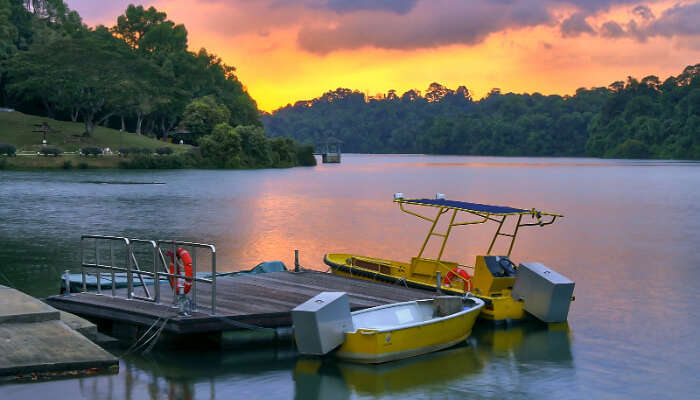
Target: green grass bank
{"x": 18, "y": 129}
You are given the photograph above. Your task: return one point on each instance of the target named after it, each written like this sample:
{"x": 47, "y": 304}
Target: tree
{"x": 221, "y": 149}
{"x": 631, "y": 148}
{"x": 86, "y": 75}
{"x": 7, "y": 45}
{"x": 135, "y": 23}
{"x": 596, "y": 121}
{"x": 256, "y": 151}
{"x": 203, "y": 114}
{"x": 145, "y": 89}
{"x": 7, "y": 32}
{"x": 164, "y": 38}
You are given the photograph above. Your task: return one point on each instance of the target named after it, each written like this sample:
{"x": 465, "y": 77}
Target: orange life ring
{"x": 183, "y": 256}
{"x": 463, "y": 274}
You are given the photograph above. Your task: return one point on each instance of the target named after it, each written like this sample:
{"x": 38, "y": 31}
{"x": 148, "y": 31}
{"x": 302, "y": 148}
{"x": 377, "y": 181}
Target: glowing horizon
{"x": 290, "y": 51}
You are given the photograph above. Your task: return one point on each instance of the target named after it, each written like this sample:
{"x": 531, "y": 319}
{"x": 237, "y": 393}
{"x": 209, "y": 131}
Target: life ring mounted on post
{"x": 462, "y": 274}
{"x": 184, "y": 257}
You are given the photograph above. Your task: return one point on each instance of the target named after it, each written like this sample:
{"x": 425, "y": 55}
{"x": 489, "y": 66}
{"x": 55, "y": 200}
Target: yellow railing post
{"x": 432, "y": 228}
{"x": 498, "y": 232}
{"x": 447, "y": 234}
{"x": 515, "y": 233}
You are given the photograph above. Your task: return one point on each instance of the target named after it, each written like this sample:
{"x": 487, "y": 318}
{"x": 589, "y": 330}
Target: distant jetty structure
{"x": 330, "y": 150}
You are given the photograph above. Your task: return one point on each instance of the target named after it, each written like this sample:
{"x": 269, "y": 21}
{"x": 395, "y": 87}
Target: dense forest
{"x": 137, "y": 75}
{"x": 632, "y": 119}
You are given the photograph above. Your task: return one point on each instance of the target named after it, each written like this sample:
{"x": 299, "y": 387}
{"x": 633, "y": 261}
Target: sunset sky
{"x": 289, "y": 50}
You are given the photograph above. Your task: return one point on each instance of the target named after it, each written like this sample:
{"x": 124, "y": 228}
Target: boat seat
{"x": 389, "y": 317}
{"x": 447, "y": 305}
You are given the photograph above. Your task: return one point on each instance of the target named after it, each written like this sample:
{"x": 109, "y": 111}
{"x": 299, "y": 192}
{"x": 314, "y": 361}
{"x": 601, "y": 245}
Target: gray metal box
{"x": 545, "y": 293}
{"x": 321, "y": 322}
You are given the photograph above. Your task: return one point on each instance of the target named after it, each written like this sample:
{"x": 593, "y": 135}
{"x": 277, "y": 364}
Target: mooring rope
{"x": 137, "y": 343}
{"x": 154, "y": 338}
{"x": 9, "y": 282}
{"x": 399, "y": 281}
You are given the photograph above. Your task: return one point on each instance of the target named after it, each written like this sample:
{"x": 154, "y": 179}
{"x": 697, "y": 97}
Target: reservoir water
{"x": 630, "y": 239}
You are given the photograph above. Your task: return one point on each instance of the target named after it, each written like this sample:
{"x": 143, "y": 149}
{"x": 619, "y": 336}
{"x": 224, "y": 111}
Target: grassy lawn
{"x": 16, "y": 129}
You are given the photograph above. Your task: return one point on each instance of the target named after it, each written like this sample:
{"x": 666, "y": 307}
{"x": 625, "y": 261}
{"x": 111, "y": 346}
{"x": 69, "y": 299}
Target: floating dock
{"x": 38, "y": 340}
{"x": 247, "y": 303}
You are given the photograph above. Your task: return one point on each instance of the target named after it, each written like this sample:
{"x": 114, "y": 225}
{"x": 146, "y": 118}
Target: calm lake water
{"x": 630, "y": 240}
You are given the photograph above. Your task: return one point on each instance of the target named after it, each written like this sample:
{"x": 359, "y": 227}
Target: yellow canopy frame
{"x": 485, "y": 213}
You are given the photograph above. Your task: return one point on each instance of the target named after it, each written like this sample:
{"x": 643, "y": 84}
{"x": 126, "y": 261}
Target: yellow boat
{"x": 492, "y": 276}
{"x": 401, "y": 330}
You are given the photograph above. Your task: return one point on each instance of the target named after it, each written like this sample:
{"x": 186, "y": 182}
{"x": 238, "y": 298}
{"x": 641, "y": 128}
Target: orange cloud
{"x": 287, "y": 50}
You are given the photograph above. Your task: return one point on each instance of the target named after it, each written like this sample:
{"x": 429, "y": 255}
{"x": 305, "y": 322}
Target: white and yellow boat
{"x": 401, "y": 330}
{"x": 491, "y": 278}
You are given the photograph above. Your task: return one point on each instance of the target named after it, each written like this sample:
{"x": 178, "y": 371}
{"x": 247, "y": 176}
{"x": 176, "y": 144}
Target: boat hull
{"x": 498, "y": 309}
{"x": 378, "y": 346}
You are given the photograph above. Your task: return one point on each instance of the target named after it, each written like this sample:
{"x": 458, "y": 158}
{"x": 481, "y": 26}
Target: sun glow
{"x": 263, "y": 44}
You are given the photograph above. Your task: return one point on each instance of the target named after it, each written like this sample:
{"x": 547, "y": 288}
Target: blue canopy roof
{"x": 463, "y": 205}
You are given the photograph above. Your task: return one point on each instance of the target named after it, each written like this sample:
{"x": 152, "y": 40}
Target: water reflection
{"x": 192, "y": 375}
{"x": 529, "y": 358}
{"x": 488, "y": 352}
{"x": 316, "y": 379}
{"x": 529, "y": 342}
{"x": 629, "y": 241}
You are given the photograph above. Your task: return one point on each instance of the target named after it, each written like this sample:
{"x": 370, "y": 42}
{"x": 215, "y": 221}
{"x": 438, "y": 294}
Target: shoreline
{"x": 67, "y": 162}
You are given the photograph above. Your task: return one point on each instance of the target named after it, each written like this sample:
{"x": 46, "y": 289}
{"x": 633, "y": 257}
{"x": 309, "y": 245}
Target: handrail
{"x": 141, "y": 273}
{"x": 173, "y": 244}
{"x": 127, "y": 246}
{"x": 131, "y": 267}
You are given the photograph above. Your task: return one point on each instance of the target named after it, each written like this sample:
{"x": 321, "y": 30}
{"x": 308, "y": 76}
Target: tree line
{"x": 644, "y": 118}
{"x": 137, "y": 75}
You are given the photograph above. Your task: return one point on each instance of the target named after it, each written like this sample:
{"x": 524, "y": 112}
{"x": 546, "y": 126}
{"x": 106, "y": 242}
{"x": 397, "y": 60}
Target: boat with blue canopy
{"x": 492, "y": 276}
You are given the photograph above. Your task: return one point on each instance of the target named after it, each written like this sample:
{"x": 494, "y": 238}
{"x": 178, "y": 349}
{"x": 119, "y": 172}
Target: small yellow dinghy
{"x": 383, "y": 333}
{"x": 402, "y": 330}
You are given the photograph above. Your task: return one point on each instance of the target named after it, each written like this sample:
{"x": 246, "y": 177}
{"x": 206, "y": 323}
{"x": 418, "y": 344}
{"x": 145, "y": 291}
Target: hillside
{"x": 17, "y": 129}
{"x": 646, "y": 118}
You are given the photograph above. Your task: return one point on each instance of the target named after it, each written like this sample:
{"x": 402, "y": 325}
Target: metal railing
{"x": 177, "y": 275}
{"x": 97, "y": 266}
{"x": 131, "y": 266}
{"x": 137, "y": 269}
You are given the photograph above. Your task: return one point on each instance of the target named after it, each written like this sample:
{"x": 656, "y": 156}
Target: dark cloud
{"x": 397, "y": 6}
{"x": 428, "y": 23}
{"x": 643, "y": 12}
{"x": 636, "y": 31}
{"x": 575, "y": 25}
{"x": 333, "y": 25}
{"x": 591, "y": 6}
{"x": 431, "y": 23}
{"x": 612, "y": 29}
{"x": 678, "y": 20}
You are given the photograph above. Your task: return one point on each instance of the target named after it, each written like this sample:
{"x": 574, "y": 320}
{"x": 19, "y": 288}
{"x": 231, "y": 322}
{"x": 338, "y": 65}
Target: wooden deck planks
{"x": 263, "y": 299}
